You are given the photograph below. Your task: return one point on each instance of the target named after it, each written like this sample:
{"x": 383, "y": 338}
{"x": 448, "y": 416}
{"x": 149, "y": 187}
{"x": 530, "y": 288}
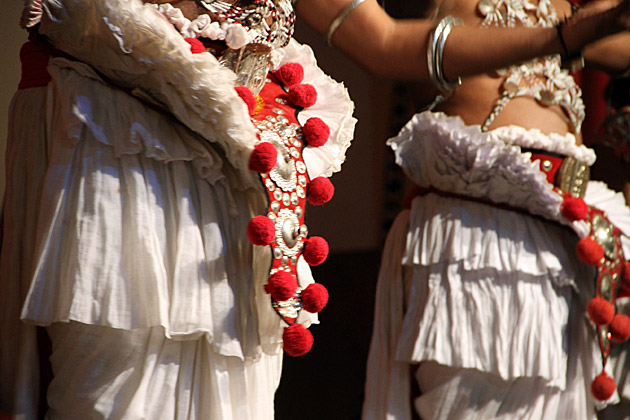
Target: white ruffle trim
{"x": 134, "y": 45}
{"x": 333, "y": 106}
{"x": 234, "y": 34}
{"x": 441, "y": 151}
{"x": 532, "y": 138}
{"x": 127, "y": 125}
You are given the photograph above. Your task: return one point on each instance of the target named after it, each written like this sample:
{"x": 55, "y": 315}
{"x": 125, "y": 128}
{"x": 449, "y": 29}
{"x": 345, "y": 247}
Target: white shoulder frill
{"x": 442, "y": 152}
{"x": 333, "y": 106}
{"x": 137, "y": 48}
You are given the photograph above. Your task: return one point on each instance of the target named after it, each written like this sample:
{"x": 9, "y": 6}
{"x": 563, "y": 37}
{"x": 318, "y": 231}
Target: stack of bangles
{"x": 435, "y": 52}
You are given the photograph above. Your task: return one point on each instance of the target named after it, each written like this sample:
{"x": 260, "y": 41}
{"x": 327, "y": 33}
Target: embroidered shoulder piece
{"x": 542, "y": 78}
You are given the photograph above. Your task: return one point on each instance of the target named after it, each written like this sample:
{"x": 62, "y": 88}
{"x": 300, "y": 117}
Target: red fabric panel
{"x": 34, "y": 60}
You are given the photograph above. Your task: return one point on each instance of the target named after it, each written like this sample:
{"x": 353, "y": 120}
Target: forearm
{"x": 611, "y": 54}
{"x": 397, "y": 48}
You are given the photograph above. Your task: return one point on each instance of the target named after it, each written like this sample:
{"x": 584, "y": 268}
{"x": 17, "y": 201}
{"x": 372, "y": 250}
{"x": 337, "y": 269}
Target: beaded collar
{"x": 542, "y": 78}
{"x": 239, "y": 26}
{"x": 271, "y": 20}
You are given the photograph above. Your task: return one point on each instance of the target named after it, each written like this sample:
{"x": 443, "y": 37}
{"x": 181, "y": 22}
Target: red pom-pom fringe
{"x": 303, "y": 95}
{"x": 314, "y": 298}
{"x": 589, "y": 251}
{"x": 297, "y": 340}
{"x": 290, "y": 74}
{"x": 315, "y": 250}
{"x": 263, "y": 158}
{"x": 281, "y": 285}
{"x": 620, "y": 328}
{"x": 320, "y": 190}
{"x": 316, "y": 132}
{"x": 248, "y": 97}
{"x": 261, "y": 230}
{"x": 574, "y": 208}
{"x": 600, "y": 311}
{"x": 603, "y": 387}
{"x": 196, "y": 46}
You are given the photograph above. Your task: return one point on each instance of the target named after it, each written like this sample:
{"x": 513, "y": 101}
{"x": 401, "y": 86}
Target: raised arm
{"x": 397, "y": 48}
{"x": 611, "y": 54}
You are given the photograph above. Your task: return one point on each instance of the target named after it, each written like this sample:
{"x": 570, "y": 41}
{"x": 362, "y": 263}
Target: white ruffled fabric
{"x": 141, "y": 222}
{"x": 135, "y": 46}
{"x": 484, "y": 288}
{"x": 130, "y": 218}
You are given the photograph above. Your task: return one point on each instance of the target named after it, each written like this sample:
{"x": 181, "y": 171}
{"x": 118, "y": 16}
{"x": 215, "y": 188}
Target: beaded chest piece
{"x": 272, "y": 21}
{"x": 542, "y": 78}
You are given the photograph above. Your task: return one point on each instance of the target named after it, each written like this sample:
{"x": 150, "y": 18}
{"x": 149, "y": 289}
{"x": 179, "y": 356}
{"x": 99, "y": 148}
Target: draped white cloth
{"x": 124, "y": 230}
{"x": 489, "y": 301}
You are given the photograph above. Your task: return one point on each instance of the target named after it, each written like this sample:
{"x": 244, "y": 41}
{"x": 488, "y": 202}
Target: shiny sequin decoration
{"x": 606, "y": 287}
{"x": 289, "y": 236}
{"x": 604, "y": 339}
{"x": 604, "y": 236}
{"x": 289, "y": 308}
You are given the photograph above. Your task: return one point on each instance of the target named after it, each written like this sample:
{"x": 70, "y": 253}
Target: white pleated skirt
{"x": 496, "y": 334}
{"x": 125, "y": 236}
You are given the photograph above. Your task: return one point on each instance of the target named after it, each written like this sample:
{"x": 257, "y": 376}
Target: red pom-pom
{"x": 315, "y": 132}
{"x": 589, "y": 251}
{"x": 600, "y": 310}
{"x": 261, "y": 230}
{"x": 196, "y": 46}
{"x": 315, "y": 250}
{"x": 303, "y": 95}
{"x": 574, "y": 208}
{"x": 263, "y": 158}
{"x": 320, "y": 190}
{"x": 620, "y": 328}
{"x": 314, "y": 298}
{"x": 281, "y": 285}
{"x": 248, "y": 97}
{"x": 603, "y": 387}
{"x": 290, "y": 74}
{"x": 297, "y": 340}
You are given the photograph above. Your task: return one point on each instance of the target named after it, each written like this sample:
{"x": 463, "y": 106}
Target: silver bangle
{"x": 435, "y": 51}
{"x": 340, "y": 18}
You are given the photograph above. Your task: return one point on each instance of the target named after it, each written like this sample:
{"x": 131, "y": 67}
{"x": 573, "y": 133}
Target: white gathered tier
{"x": 497, "y": 295}
{"x": 125, "y": 225}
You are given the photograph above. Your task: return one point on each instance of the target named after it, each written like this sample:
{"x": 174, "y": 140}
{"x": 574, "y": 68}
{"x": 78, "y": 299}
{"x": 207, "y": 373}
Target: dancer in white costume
{"x": 127, "y": 208}
{"x": 481, "y": 295}
{"x": 481, "y": 301}
{"x": 135, "y": 256}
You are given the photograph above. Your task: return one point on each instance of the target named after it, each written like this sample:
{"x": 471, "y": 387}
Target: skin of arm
{"x": 397, "y": 48}
{"x": 611, "y": 54}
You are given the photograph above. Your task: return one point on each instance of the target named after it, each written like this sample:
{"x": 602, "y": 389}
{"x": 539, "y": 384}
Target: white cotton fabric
{"x": 485, "y": 291}
{"x": 126, "y": 209}
{"x": 135, "y": 46}
{"x": 143, "y": 224}
{"x": 152, "y": 377}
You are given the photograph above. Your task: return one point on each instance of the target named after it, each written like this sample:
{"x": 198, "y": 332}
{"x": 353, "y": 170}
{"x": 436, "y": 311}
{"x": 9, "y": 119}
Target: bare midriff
{"x": 475, "y": 98}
